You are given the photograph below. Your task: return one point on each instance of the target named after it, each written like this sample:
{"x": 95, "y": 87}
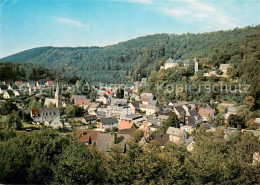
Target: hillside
{"x": 135, "y": 58}
{"x": 27, "y": 72}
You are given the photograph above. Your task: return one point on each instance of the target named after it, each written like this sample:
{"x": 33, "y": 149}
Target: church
{"x": 57, "y": 101}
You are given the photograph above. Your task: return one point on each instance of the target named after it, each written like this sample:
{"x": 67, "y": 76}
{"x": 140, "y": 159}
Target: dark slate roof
{"x": 107, "y": 121}
{"x": 180, "y": 109}
{"x": 10, "y": 92}
{"x": 136, "y": 104}
{"x": 3, "y": 87}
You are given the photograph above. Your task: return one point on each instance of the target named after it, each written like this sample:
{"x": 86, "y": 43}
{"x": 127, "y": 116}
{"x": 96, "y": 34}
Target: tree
{"x": 8, "y": 107}
{"x": 249, "y": 101}
{"x": 120, "y": 93}
{"x": 231, "y": 72}
{"x": 172, "y": 121}
{"x": 14, "y": 121}
{"x": 236, "y": 121}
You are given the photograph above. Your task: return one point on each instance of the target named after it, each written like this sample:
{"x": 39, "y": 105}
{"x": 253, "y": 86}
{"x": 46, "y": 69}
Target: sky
{"x": 26, "y": 24}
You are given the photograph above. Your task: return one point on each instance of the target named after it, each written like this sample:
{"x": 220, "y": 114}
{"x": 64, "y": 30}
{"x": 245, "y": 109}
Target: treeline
{"x": 46, "y": 157}
{"x": 134, "y": 59}
{"x": 245, "y": 60}
{"x": 29, "y": 72}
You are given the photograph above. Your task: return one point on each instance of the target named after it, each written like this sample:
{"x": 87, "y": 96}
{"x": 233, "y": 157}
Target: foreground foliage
{"x": 47, "y": 157}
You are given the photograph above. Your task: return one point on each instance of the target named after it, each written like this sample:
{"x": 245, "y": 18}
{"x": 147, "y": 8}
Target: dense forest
{"x": 133, "y": 59}
{"x": 27, "y": 72}
{"x": 47, "y": 157}
{"x": 245, "y": 60}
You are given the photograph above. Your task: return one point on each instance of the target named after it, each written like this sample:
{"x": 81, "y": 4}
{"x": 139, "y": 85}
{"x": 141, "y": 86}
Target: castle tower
{"x": 196, "y": 66}
{"x": 58, "y": 98}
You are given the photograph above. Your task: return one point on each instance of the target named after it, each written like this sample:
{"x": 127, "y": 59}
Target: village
{"x": 116, "y": 113}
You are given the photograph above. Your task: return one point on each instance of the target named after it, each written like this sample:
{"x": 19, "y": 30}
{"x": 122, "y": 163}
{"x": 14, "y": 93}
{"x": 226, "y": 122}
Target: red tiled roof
{"x": 18, "y": 83}
{"x": 85, "y": 136}
{"x": 50, "y": 82}
{"x": 205, "y": 112}
{"x": 85, "y": 102}
{"x": 125, "y": 125}
{"x": 146, "y": 99}
{"x": 110, "y": 92}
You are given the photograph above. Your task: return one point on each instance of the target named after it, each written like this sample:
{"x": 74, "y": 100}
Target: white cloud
{"x": 72, "y": 22}
{"x": 192, "y": 11}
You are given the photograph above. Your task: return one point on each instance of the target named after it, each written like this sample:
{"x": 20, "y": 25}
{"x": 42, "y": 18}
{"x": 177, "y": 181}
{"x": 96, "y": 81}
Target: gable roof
{"x": 169, "y": 61}
{"x": 175, "y": 131}
{"x": 205, "y": 112}
{"x": 136, "y": 104}
{"x": 78, "y": 97}
{"x": 85, "y": 102}
{"x": 10, "y": 92}
{"x": 224, "y": 66}
{"x": 107, "y": 121}
{"x": 105, "y": 141}
{"x": 87, "y": 136}
{"x": 125, "y": 125}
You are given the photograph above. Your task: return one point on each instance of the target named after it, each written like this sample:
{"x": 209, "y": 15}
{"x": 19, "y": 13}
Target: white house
{"x": 176, "y": 135}
{"x": 9, "y": 94}
{"x": 170, "y": 63}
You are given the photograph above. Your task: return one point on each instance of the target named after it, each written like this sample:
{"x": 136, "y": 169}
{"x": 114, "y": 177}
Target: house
{"x": 134, "y": 97}
{"x": 187, "y": 115}
{"x": 57, "y": 101}
{"x": 124, "y": 124}
{"x": 75, "y": 97}
{"x": 104, "y": 99}
{"x": 189, "y": 128}
{"x": 18, "y": 83}
{"x": 206, "y": 113}
{"x": 256, "y": 122}
{"x": 83, "y": 103}
{"x": 230, "y": 110}
{"x": 49, "y": 83}
{"x": 9, "y": 94}
{"x": 118, "y": 110}
{"x": 53, "y": 122}
{"x": 3, "y": 89}
{"x": 88, "y": 137}
{"x": 40, "y": 115}
{"x": 107, "y": 123}
{"x": 89, "y": 119}
{"x": 93, "y": 108}
{"x": 143, "y": 80}
{"x": 148, "y": 109}
{"x": 154, "y": 120}
{"x": 17, "y": 92}
{"x": 101, "y": 112}
{"x": 134, "y": 107}
{"x": 117, "y": 101}
{"x": 146, "y": 97}
{"x": 176, "y": 135}
{"x": 170, "y": 63}
{"x": 135, "y": 118}
{"x": 106, "y": 141}
{"x": 224, "y": 68}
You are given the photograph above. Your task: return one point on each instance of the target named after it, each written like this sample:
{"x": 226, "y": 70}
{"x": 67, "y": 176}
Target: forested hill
{"x": 135, "y": 58}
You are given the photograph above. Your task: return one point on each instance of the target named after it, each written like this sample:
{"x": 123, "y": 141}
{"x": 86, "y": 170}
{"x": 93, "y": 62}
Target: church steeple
{"x": 58, "y": 99}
